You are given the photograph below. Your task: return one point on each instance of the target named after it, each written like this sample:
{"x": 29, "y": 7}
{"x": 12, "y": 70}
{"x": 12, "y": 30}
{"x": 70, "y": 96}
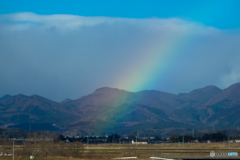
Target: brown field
{"x": 110, "y": 151}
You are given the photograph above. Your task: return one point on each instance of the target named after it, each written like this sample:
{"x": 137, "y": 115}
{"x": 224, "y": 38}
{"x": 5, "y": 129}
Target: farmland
{"x": 79, "y": 151}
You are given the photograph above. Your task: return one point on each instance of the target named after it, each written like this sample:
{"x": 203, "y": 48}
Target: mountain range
{"x": 110, "y": 110}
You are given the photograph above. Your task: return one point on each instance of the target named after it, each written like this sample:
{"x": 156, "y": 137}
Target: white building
{"x": 237, "y": 140}
{"x": 134, "y": 141}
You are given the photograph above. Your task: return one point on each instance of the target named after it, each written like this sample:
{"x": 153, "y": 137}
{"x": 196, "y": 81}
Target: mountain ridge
{"x": 114, "y": 110}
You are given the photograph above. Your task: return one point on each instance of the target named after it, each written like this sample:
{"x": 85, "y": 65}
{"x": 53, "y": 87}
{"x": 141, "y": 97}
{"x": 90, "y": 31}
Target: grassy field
{"x": 110, "y": 151}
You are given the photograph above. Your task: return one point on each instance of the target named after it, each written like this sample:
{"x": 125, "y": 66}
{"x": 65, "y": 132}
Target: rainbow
{"x": 153, "y": 61}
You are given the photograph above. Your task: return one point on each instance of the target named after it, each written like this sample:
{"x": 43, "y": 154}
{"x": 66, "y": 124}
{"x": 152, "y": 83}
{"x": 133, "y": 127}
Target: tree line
{"x": 213, "y": 137}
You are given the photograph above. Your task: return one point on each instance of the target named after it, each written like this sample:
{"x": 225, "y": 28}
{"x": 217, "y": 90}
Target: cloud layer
{"x": 68, "y": 56}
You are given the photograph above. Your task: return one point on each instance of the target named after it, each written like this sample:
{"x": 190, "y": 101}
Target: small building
{"x": 237, "y": 140}
{"x": 139, "y": 141}
{"x": 231, "y": 141}
{"x": 195, "y": 141}
{"x": 67, "y": 141}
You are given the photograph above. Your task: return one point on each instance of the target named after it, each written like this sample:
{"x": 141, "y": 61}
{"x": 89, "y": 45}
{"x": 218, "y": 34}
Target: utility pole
{"x": 87, "y": 142}
{"x": 183, "y": 140}
{"x": 228, "y": 142}
{"x": 193, "y": 133}
{"x": 32, "y": 153}
{"x": 35, "y": 135}
{"x": 35, "y": 147}
{"x": 13, "y": 149}
{"x": 136, "y": 141}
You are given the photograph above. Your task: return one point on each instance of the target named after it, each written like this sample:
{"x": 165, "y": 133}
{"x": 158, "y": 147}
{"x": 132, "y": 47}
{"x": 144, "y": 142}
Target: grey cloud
{"x": 66, "y": 56}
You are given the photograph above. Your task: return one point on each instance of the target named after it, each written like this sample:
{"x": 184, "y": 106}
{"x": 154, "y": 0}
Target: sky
{"x": 67, "y": 49}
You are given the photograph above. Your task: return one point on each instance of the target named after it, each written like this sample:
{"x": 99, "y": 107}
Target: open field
{"x": 167, "y": 145}
{"x": 109, "y": 151}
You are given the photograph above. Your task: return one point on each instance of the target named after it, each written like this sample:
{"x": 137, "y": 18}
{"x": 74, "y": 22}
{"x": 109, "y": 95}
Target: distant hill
{"x": 20, "y": 109}
{"x": 111, "y": 110}
{"x": 5, "y": 97}
{"x": 200, "y": 96}
{"x": 230, "y": 94}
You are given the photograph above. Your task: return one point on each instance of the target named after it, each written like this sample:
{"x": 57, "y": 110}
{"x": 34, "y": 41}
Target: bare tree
{"x": 74, "y": 149}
